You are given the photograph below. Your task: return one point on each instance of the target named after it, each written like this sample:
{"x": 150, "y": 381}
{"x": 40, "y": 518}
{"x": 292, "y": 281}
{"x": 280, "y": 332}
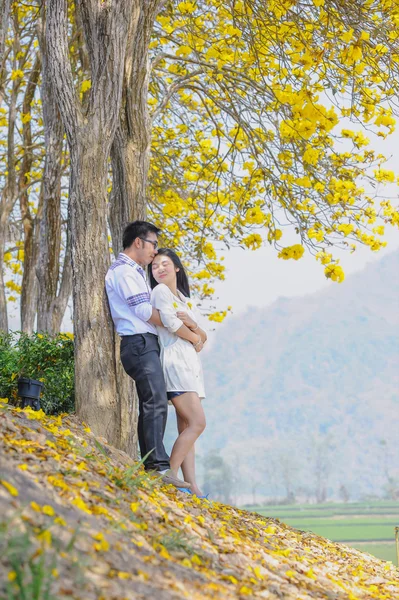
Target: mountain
{"x": 303, "y": 395}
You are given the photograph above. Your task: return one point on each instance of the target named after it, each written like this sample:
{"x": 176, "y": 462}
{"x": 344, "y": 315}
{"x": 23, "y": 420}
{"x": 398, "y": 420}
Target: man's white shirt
{"x": 129, "y": 297}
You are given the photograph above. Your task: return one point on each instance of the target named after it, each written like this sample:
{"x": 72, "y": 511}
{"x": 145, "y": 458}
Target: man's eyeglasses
{"x": 155, "y": 244}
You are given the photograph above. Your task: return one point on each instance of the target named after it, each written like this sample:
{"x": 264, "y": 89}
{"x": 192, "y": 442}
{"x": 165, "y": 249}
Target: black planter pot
{"x": 29, "y": 391}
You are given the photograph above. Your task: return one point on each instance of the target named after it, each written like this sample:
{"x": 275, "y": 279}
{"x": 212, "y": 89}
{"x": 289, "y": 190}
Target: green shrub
{"x": 43, "y": 357}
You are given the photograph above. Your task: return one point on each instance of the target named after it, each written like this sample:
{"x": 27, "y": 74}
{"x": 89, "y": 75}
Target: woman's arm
{"x": 162, "y": 300}
{"x": 193, "y": 325}
{"x": 187, "y": 334}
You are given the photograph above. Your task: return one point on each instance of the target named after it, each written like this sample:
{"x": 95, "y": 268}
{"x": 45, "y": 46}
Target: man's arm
{"x": 155, "y": 319}
{"x": 132, "y": 289}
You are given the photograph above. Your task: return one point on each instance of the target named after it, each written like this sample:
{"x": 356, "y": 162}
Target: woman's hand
{"x": 198, "y": 345}
{"x": 187, "y": 321}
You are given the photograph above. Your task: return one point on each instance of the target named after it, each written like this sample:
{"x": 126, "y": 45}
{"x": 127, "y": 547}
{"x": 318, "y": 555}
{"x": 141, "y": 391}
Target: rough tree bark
{"x": 130, "y": 152}
{"x": 130, "y": 157}
{"x": 4, "y": 16}
{"x": 5, "y": 209}
{"x": 53, "y": 295}
{"x": 29, "y": 221}
{"x": 106, "y": 26}
{"x": 8, "y": 198}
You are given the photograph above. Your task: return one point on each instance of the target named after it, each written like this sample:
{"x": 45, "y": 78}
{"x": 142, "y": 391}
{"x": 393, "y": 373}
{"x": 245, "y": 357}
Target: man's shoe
{"x": 170, "y": 479}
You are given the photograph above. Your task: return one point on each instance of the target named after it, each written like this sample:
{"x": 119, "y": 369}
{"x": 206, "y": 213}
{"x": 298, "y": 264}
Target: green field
{"x": 370, "y": 527}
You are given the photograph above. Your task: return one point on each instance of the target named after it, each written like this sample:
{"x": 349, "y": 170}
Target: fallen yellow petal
{"x": 10, "y": 488}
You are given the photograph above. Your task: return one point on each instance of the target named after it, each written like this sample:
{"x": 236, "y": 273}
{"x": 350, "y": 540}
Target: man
{"x": 135, "y": 320}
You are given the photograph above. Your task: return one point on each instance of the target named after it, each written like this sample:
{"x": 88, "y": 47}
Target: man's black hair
{"x": 138, "y": 229}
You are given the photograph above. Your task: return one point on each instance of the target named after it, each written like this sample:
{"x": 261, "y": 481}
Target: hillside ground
{"x": 79, "y": 519}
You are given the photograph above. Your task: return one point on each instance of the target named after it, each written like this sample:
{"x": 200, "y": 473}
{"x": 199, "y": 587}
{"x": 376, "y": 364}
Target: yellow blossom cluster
{"x": 263, "y": 117}
{"x": 279, "y": 81}
{"x": 296, "y": 252}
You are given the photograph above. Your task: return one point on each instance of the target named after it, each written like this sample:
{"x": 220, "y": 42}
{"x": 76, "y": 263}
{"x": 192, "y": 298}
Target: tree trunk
{"x": 29, "y": 222}
{"x": 95, "y": 382}
{"x": 106, "y": 25}
{"x": 130, "y": 156}
{"x": 3, "y": 300}
{"x": 4, "y": 16}
{"x": 130, "y": 152}
{"x": 29, "y": 280}
{"x": 8, "y": 199}
{"x": 51, "y": 303}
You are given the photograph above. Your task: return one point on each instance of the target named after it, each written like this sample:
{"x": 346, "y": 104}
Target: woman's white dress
{"x": 180, "y": 362}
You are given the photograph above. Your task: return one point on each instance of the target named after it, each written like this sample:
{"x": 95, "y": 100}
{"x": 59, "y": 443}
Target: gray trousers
{"x": 140, "y": 359}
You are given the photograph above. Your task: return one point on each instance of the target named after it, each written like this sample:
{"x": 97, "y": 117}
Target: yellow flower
{"x": 86, "y": 85}
{"x": 175, "y": 305}
{"x": 316, "y": 234}
{"x": 17, "y": 74}
{"x": 102, "y": 545}
{"x": 183, "y": 51}
{"x": 253, "y": 241}
{"x": 81, "y": 505}
{"x": 290, "y": 573}
{"x": 324, "y": 257}
{"x": 255, "y": 216}
{"x": 186, "y": 7}
{"x": 303, "y": 181}
{"x": 45, "y": 537}
{"x": 310, "y": 574}
{"x": 10, "y": 488}
{"x": 346, "y": 228}
{"x": 48, "y": 510}
{"x": 334, "y": 272}
{"x": 384, "y": 175}
{"x": 11, "y": 576}
{"x": 245, "y": 591}
{"x": 296, "y": 252}
{"x": 4, "y": 400}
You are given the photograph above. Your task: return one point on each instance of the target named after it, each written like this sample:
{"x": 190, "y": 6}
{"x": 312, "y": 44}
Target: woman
{"x": 181, "y": 339}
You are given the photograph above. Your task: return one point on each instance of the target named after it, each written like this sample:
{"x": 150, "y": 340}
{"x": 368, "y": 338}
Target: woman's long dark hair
{"x": 181, "y": 276}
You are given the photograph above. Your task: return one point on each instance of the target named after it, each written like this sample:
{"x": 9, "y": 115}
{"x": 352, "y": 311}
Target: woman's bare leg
{"x": 189, "y": 408}
{"x": 188, "y": 464}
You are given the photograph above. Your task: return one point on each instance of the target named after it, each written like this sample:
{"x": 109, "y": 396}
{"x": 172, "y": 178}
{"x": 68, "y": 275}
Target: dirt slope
{"x": 78, "y": 519}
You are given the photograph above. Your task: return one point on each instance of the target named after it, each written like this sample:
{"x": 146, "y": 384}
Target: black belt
{"x": 126, "y": 337}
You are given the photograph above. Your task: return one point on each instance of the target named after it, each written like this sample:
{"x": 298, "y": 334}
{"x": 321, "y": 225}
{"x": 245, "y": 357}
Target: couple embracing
{"x": 161, "y": 341}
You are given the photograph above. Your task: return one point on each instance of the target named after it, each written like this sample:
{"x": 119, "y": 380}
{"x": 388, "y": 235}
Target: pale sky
{"x": 258, "y": 278}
